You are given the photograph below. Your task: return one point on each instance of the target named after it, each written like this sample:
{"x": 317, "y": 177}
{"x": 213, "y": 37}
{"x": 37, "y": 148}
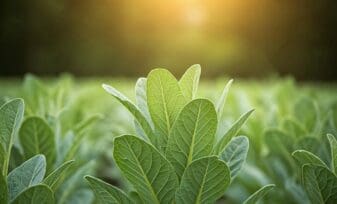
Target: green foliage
{"x": 259, "y": 194}
{"x": 38, "y": 194}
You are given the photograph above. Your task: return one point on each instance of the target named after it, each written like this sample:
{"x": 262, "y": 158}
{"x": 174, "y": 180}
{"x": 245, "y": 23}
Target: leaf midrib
{"x": 202, "y": 184}
{"x": 190, "y": 154}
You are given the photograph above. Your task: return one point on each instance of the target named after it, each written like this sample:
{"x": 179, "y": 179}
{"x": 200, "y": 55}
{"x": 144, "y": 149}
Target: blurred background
{"x": 240, "y": 38}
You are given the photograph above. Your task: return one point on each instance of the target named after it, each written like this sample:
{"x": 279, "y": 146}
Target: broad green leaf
{"x": 204, "y": 181}
{"x": 306, "y": 112}
{"x": 192, "y": 135}
{"x": 54, "y": 177}
{"x": 305, "y": 157}
{"x": 134, "y": 110}
{"x": 320, "y": 184}
{"x": 146, "y": 169}
{"x": 16, "y": 158}
{"x": 333, "y": 148}
{"x": 11, "y": 114}
{"x": 106, "y": 193}
{"x": 165, "y": 100}
{"x": 3, "y": 189}
{"x": 221, "y": 103}
{"x": 36, "y": 137}
{"x": 259, "y": 194}
{"x": 231, "y": 132}
{"x": 39, "y": 194}
{"x": 141, "y": 99}
{"x": 189, "y": 81}
{"x": 30, "y": 173}
{"x": 235, "y": 154}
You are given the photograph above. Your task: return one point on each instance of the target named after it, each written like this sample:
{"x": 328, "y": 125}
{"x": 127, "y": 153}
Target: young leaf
{"x": 320, "y": 184}
{"x": 165, "y": 100}
{"x": 333, "y": 148}
{"x": 306, "y": 157}
{"x": 235, "y": 154}
{"x": 189, "y": 81}
{"x": 146, "y": 169}
{"x": 54, "y": 177}
{"x": 3, "y": 190}
{"x": 204, "y": 181}
{"x": 141, "y": 99}
{"x": 192, "y": 135}
{"x": 106, "y": 193}
{"x": 11, "y": 114}
{"x": 36, "y": 137}
{"x": 259, "y": 194}
{"x": 231, "y": 132}
{"x": 39, "y": 194}
{"x": 134, "y": 110}
{"x": 221, "y": 103}
{"x": 30, "y": 173}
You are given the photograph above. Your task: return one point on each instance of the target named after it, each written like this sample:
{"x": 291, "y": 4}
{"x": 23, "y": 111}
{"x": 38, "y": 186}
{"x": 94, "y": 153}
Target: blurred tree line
{"x": 109, "y": 37}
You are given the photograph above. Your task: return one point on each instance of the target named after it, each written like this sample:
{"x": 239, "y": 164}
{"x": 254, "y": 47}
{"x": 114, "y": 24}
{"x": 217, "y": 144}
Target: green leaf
{"x": 320, "y": 184}
{"x": 259, "y": 194}
{"x": 146, "y": 169}
{"x": 56, "y": 176}
{"x": 232, "y": 131}
{"x": 189, "y": 81}
{"x": 165, "y": 100}
{"x": 106, "y": 193}
{"x": 36, "y": 137}
{"x": 192, "y": 135}
{"x": 235, "y": 154}
{"x": 3, "y": 190}
{"x": 204, "y": 181}
{"x": 306, "y": 112}
{"x": 39, "y": 194}
{"x": 292, "y": 127}
{"x": 333, "y": 148}
{"x": 30, "y": 173}
{"x": 134, "y": 110}
{"x": 11, "y": 114}
{"x": 306, "y": 157}
{"x": 141, "y": 99}
{"x": 221, "y": 103}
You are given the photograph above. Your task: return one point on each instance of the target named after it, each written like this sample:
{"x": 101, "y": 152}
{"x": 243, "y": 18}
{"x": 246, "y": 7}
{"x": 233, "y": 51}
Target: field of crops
{"x": 165, "y": 140}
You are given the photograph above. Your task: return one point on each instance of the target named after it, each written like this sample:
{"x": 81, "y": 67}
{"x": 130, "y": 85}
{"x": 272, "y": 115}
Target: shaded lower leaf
{"x": 259, "y": 194}
{"x": 39, "y": 194}
{"x": 106, "y": 193}
{"x": 333, "y": 149}
{"x": 30, "y": 173}
{"x": 320, "y": 184}
{"x": 146, "y": 169}
{"x": 54, "y": 177}
{"x": 204, "y": 181}
{"x": 235, "y": 154}
{"x": 3, "y": 189}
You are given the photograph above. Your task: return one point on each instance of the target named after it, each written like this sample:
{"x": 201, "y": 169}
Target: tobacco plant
{"x": 176, "y": 156}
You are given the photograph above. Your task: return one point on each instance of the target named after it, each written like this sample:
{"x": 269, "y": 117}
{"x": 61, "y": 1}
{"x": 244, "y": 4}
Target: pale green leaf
{"x": 259, "y": 194}
{"x": 320, "y": 184}
{"x": 221, "y": 103}
{"x": 146, "y": 169}
{"x": 231, "y": 132}
{"x": 294, "y": 128}
{"x": 189, "y": 81}
{"x": 204, "y": 181}
{"x": 39, "y": 194}
{"x": 30, "y": 173}
{"x": 3, "y": 189}
{"x": 11, "y": 114}
{"x": 192, "y": 135}
{"x": 141, "y": 99}
{"x": 306, "y": 112}
{"x": 36, "y": 137}
{"x": 333, "y": 149}
{"x": 106, "y": 193}
{"x": 306, "y": 157}
{"x": 134, "y": 110}
{"x": 164, "y": 100}
{"x": 57, "y": 175}
{"x": 235, "y": 154}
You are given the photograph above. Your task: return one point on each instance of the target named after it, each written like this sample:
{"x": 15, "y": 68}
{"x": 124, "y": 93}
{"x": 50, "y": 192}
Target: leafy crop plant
{"x": 176, "y": 156}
